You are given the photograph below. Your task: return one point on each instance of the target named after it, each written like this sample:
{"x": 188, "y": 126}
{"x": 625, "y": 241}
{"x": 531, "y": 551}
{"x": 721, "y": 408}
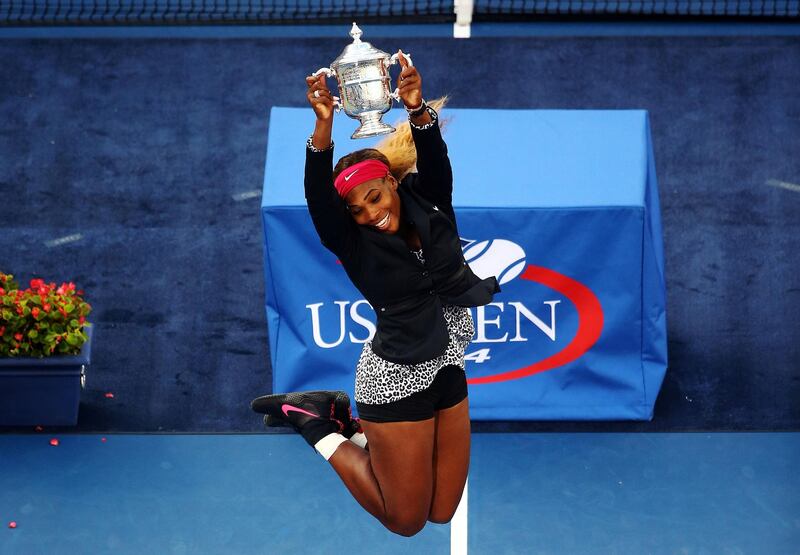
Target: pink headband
{"x": 357, "y": 174}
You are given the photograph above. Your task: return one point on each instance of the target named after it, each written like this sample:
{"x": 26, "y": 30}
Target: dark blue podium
{"x": 561, "y": 206}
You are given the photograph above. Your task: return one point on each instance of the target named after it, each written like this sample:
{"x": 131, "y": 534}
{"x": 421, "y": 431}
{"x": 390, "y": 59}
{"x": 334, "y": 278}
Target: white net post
{"x": 463, "y": 9}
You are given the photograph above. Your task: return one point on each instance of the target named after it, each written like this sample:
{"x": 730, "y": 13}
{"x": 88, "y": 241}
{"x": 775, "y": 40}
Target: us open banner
{"x": 569, "y": 223}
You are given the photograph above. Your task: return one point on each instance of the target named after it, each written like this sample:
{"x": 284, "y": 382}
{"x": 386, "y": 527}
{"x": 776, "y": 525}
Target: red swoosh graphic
{"x": 590, "y": 324}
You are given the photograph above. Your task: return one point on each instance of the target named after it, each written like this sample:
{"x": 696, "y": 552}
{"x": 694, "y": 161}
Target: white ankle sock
{"x": 359, "y": 439}
{"x": 327, "y": 445}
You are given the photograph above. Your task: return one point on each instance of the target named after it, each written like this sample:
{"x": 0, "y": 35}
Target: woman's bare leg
{"x": 393, "y": 481}
{"x": 450, "y": 460}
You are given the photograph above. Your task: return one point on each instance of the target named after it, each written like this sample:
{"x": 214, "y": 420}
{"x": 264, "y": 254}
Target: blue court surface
{"x": 682, "y": 493}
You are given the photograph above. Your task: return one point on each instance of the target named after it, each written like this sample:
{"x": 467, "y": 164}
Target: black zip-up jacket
{"x": 407, "y": 296}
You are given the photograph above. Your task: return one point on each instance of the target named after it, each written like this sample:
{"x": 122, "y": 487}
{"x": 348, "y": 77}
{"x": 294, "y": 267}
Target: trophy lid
{"x": 358, "y": 51}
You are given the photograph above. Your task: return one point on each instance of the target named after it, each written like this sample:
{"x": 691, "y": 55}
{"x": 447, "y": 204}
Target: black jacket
{"x": 407, "y": 296}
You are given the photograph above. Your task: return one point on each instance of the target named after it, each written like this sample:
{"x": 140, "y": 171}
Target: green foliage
{"x": 42, "y": 320}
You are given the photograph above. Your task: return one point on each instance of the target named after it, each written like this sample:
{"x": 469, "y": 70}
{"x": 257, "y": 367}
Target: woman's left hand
{"x": 409, "y": 83}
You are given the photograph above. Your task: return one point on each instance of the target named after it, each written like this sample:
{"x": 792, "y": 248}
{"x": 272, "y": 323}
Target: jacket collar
{"x": 416, "y": 214}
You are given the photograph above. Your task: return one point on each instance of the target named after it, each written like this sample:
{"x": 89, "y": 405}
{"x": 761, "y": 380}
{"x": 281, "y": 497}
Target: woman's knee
{"x": 406, "y": 525}
{"x": 439, "y": 516}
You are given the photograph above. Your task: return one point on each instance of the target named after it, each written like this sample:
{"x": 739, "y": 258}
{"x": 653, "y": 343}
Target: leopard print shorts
{"x": 380, "y": 381}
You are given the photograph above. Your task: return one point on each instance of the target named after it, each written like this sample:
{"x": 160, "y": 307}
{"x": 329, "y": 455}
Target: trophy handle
{"x": 396, "y": 56}
{"x": 337, "y": 104}
{"x": 326, "y": 70}
{"x": 393, "y": 60}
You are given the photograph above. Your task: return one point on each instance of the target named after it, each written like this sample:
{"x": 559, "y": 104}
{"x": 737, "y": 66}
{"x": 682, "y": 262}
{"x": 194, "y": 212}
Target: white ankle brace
{"x": 359, "y": 439}
{"x": 327, "y": 445}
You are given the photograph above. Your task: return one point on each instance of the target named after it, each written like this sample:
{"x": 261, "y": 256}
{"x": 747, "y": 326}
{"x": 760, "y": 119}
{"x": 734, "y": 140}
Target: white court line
{"x": 246, "y": 195}
{"x": 62, "y": 240}
{"x": 458, "y": 526}
{"x": 784, "y": 185}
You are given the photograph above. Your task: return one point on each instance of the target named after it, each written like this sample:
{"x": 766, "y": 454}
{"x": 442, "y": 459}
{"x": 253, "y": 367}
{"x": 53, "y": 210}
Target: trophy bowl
{"x": 362, "y": 74}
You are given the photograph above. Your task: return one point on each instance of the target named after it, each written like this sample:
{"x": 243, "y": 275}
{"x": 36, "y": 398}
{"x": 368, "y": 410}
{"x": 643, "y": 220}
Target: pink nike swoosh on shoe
{"x": 287, "y": 408}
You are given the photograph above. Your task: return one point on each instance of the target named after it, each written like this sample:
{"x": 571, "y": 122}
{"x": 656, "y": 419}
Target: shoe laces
{"x": 332, "y": 416}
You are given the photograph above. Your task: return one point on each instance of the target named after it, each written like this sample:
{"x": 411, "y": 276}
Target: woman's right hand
{"x": 322, "y": 103}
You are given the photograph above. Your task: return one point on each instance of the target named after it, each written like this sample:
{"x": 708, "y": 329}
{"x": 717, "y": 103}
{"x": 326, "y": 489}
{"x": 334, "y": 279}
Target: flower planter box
{"x": 43, "y": 391}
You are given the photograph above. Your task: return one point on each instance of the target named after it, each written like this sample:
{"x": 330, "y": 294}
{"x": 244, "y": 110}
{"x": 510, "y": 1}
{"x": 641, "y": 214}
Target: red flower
{"x": 46, "y": 307}
{"x": 37, "y": 283}
{"x": 81, "y": 320}
{"x": 2, "y": 291}
{"x": 2, "y": 330}
{"x": 35, "y": 311}
{"x": 61, "y": 290}
{"x": 18, "y": 336}
{"x": 20, "y": 311}
{"x": 62, "y": 311}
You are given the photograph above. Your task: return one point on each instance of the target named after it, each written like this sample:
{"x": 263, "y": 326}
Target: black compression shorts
{"x": 449, "y": 388}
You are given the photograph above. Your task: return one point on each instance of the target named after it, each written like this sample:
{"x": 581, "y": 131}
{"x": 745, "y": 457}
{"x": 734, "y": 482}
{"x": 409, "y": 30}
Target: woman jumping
{"x": 406, "y": 460}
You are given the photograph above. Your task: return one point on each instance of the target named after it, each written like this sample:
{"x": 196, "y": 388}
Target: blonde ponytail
{"x": 399, "y": 146}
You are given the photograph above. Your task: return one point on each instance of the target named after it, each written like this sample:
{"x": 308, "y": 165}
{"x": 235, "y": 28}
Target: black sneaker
{"x": 312, "y": 413}
{"x": 344, "y": 414}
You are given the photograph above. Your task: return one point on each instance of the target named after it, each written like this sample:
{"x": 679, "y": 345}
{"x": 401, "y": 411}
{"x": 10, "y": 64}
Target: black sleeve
{"x": 334, "y": 224}
{"x": 435, "y": 182}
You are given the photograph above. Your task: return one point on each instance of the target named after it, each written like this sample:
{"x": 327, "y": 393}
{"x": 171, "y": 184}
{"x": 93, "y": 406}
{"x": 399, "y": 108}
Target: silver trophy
{"x": 364, "y": 85}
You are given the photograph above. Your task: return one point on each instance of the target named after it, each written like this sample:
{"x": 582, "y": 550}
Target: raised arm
{"x": 435, "y": 175}
{"x": 332, "y": 221}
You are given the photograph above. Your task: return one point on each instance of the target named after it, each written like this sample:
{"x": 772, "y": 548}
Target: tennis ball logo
{"x": 498, "y": 257}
